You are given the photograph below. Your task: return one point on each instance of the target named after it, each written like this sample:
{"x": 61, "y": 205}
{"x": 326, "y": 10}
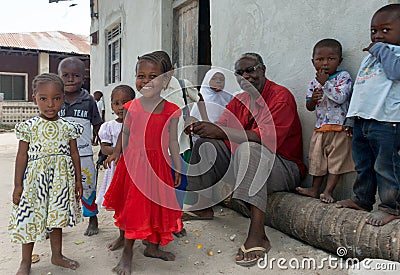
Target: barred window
{"x": 114, "y": 54}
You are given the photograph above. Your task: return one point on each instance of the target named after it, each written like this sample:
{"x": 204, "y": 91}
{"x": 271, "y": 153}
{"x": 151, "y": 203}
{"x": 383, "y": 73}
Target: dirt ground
{"x": 191, "y": 251}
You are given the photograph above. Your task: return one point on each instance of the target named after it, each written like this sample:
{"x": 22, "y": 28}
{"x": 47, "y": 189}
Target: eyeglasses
{"x": 248, "y": 70}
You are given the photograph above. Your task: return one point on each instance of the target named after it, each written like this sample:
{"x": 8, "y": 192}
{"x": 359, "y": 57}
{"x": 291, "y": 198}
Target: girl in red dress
{"x": 142, "y": 191}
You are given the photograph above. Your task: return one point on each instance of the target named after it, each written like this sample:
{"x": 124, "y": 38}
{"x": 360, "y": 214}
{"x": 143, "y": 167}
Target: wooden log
{"x": 327, "y": 227}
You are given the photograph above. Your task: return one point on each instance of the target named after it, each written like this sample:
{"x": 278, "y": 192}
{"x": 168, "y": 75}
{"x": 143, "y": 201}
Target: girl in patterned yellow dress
{"x": 47, "y": 182}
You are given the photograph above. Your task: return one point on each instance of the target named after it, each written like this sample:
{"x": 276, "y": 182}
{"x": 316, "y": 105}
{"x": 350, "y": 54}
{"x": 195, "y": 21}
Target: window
{"x": 114, "y": 54}
{"x": 13, "y": 86}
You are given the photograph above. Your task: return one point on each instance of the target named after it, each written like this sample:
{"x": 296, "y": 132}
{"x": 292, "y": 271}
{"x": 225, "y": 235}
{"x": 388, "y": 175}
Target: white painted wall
{"x": 141, "y": 33}
{"x": 283, "y": 32}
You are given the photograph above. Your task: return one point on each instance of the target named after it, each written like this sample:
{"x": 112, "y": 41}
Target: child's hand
{"x": 110, "y": 159}
{"x": 369, "y": 47}
{"x": 78, "y": 190}
{"x": 322, "y": 76}
{"x": 317, "y": 95}
{"x": 177, "y": 179}
{"x": 349, "y": 131}
{"x": 17, "y": 193}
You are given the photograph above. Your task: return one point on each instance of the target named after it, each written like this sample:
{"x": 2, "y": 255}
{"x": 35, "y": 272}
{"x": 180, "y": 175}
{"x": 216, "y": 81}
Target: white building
{"x": 217, "y": 31}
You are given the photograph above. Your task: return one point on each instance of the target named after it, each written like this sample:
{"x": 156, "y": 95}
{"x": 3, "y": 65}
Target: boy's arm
{"x": 77, "y": 166}
{"x": 114, "y": 156}
{"x": 174, "y": 149}
{"x": 96, "y": 119}
{"x": 21, "y": 162}
{"x": 310, "y": 104}
{"x": 340, "y": 91}
{"x": 117, "y": 150}
{"x": 348, "y": 126}
{"x": 96, "y": 129}
{"x": 314, "y": 94}
{"x": 105, "y": 137}
{"x": 390, "y": 62}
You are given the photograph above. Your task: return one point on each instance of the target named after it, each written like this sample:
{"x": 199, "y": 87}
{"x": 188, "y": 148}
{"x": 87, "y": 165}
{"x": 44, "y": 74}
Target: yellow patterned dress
{"x": 48, "y": 199}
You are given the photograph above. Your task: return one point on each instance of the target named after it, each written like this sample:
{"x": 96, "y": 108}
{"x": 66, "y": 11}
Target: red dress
{"x": 142, "y": 191}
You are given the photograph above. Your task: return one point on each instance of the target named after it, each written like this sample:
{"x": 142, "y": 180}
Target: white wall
{"x": 141, "y": 33}
{"x": 283, "y": 32}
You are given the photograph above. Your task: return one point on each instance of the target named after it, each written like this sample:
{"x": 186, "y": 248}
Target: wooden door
{"x": 186, "y": 25}
{"x": 191, "y": 38}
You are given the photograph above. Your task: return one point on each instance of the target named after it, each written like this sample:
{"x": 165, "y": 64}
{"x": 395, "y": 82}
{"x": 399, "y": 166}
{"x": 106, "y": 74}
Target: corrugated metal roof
{"x": 57, "y": 41}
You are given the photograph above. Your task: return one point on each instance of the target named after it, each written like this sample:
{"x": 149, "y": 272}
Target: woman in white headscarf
{"x": 214, "y": 94}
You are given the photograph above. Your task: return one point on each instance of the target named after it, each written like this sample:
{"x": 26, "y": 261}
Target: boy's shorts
{"x": 330, "y": 152}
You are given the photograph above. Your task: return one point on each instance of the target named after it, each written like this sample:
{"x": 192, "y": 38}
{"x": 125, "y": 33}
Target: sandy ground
{"x": 94, "y": 257}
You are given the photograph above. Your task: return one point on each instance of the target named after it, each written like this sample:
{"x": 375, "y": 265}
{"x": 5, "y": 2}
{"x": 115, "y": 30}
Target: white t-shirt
{"x": 101, "y": 107}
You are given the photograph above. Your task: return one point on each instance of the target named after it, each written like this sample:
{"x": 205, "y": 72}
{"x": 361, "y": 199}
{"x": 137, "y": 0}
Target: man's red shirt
{"x": 274, "y": 119}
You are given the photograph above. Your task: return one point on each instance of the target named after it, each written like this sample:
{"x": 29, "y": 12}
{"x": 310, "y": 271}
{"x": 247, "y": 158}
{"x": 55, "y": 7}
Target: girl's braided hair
{"x": 47, "y": 77}
{"x": 155, "y": 58}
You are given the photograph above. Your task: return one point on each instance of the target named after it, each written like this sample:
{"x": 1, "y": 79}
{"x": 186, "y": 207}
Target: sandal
{"x": 248, "y": 263}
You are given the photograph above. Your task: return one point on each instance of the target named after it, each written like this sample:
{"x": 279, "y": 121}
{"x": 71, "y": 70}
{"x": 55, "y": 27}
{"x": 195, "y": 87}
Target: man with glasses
{"x": 256, "y": 146}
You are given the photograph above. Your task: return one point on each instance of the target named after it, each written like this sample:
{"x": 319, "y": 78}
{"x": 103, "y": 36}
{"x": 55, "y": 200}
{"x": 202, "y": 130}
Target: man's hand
{"x": 17, "y": 193}
{"x": 205, "y": 129}
{"x": 188, "y": 122}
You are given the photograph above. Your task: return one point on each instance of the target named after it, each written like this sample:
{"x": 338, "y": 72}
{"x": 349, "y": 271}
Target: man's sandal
{"x": 248, "y": 263}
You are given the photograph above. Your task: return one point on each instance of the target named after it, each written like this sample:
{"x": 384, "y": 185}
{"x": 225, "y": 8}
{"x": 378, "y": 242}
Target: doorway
{"x": 192, "y": 35}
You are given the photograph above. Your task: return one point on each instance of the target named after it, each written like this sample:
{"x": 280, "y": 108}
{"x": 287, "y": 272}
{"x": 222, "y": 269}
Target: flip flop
{"x": 251, "y": 262}
{"x": 191, "y": 216}
{"x": 35, "y": 258}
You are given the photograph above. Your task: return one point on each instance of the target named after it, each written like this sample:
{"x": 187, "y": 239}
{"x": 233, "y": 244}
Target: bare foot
{"x": 380, "y": 218}
{"x": 117, "y": 243}
{"x": 93, "y": 227}
{"x": 310, "y": 192}
{"x": 64, "y": 262}
{"x": 153, "y": 251}
{"x": 349, "y": 204}
{"x": 124, "y": 265}
{"x": 181, "y": 233}
{"x": 24, "y": 268}
{"x": 326, "y": 197}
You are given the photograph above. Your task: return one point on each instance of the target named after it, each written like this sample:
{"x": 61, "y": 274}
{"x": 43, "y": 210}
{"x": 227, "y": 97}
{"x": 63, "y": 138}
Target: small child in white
{"x": 108, "y": 134}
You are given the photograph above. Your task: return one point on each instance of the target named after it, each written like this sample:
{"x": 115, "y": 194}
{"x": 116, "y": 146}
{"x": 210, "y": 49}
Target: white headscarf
{"x": 215, "y": 101}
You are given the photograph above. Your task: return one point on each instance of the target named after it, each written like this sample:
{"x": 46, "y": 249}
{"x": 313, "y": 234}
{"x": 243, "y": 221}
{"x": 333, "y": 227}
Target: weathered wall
{"x": 283, "y": 32}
